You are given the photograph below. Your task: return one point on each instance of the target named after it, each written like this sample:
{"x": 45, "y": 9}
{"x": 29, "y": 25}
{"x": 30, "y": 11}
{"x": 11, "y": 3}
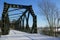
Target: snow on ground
{"x": 18, "y": 35}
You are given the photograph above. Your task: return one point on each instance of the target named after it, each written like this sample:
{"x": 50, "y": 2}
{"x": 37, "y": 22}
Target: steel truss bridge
{"x": 18, "y": 24}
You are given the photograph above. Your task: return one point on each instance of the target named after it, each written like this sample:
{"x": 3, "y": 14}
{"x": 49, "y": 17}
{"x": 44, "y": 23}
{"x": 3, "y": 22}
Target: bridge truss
{"x": 19, "y": 24}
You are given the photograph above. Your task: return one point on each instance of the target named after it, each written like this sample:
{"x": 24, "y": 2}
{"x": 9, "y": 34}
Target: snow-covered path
{"x": 18, "y": 35}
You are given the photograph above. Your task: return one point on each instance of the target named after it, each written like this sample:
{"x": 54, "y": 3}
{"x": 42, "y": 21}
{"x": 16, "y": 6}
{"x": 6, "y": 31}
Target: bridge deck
{"x": 18, "y": 35}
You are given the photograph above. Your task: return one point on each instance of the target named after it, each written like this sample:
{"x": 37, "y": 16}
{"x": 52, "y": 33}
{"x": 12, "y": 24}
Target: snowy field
{"x": 18, "y": 35}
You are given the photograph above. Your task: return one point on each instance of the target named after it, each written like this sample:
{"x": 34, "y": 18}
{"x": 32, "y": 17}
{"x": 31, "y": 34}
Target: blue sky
{"x": 41, "y": 20}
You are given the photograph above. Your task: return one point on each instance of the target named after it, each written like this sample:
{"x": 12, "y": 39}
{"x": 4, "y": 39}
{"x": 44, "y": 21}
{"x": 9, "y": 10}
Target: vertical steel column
{"x": 20, "y": 24}
{"x": 5, "y": 20}
{"x": 34, "y": 26}
{"x": 27, "y": 24}
{"x": 23, "y": 24}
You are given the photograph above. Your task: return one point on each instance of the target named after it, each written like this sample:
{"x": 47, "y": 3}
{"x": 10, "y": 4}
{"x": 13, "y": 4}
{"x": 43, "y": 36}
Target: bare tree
{"x": 50, "y": 12}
